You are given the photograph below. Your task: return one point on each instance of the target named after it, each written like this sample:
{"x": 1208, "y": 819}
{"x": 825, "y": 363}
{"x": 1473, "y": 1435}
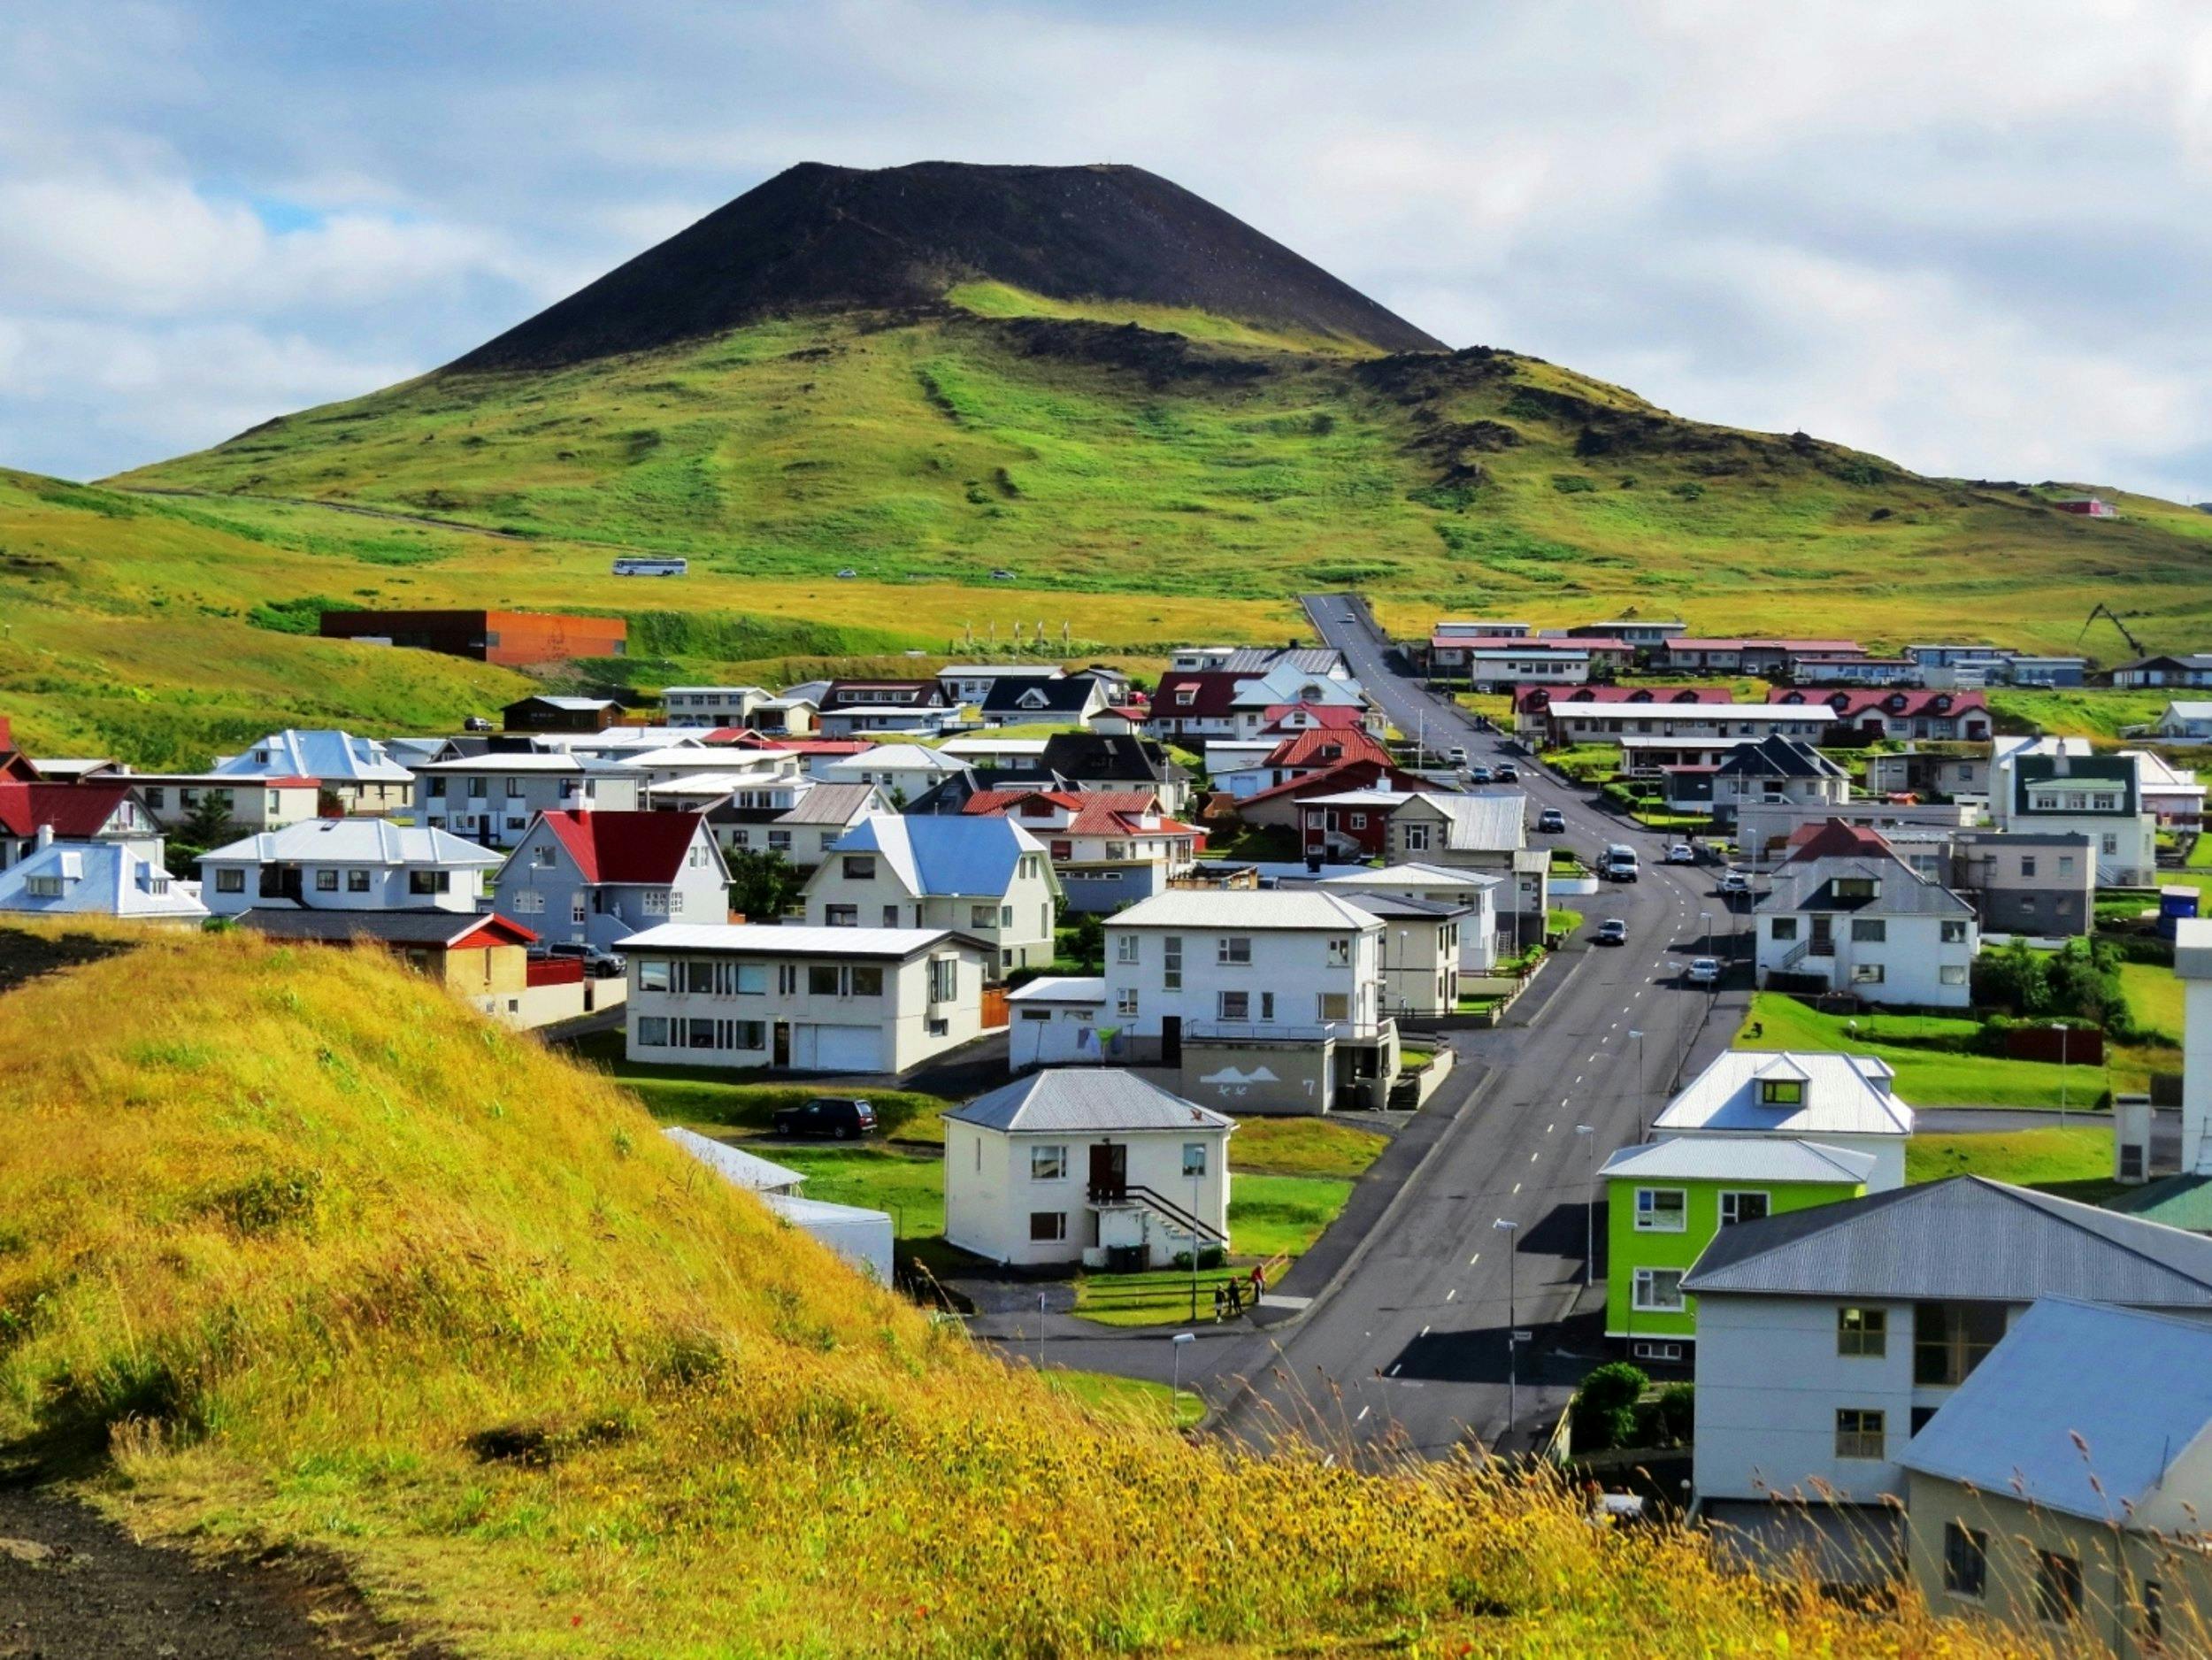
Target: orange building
{"x": 513, "y": 639}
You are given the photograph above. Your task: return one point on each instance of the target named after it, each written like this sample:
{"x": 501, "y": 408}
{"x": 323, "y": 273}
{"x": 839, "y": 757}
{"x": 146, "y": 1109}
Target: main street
{"x": 1411, "y": 1342}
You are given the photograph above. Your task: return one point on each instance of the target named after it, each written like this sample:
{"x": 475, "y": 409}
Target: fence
{"x": 553, "y": 970}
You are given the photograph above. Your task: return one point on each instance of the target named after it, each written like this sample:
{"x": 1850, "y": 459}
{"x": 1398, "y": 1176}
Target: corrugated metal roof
{"x": 1739, "y": 1158}
{"x": 1844, "y": 1095}
{"x": 1060, "y": 988}
{"x": 1086, "y": 1099}
{"x": 2081, "y": 1408}
{"x": 356, "y": 842}
{"x": 1256, "y": 909}
{"x": 792, "y": 940}
{"x": 831, "y": 803}
{"x": 1967, "y": 1238}
{"x": 757, "y": 1174}
{"x": 324, "y": 753}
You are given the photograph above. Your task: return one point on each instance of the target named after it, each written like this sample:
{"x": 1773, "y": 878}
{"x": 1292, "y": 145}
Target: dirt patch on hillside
{"x": 28, "y": 955}
{"x": 73, "y": 1586}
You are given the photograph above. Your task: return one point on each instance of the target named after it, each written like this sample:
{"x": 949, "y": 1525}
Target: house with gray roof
{"x": 2036, "y": 1501}
{"x": 1843, "y": 1101}
{"x": 1776, "y": 771}
{"x": 1087, "y": 1164}
{"x": 355, "y": 772}
{"x": 1829, "y": 1338}
{"x": 346, "y": 865}
{"x": 1483, "y": 831}
{"x": 1845, "y": 913}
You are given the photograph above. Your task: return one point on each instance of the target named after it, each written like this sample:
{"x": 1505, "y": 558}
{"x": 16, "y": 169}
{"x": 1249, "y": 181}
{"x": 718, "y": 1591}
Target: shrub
{"x": 1605, "y": 1407}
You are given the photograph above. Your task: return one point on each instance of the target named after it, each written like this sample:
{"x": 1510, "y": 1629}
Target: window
{"x": 1858, "y": 1433}
{"x": 541, "y": 855}
{"x": 1659, "y": 1290}
{"x": 1781, "y": 1092}
{"x": 514, "y": 789}
{"x": 1048, "y": 1163}
{"x": 696, "y": 976}
{"x": 576, "y": 909}
{"x": 1267, "y": 1005}
{"x": 1126, "y": 1001}
{"x": 429, "y": 881}
{"x": 944, "y": 979}
{"x": 1339, "y": 953}
{"x": 1646, "y": 1348}
{"x": 1746, "y": 1206}
{"x": 1335, "y": 1005}
{"x": 2111, "y": 844}
{"x": 1006, "y": 917}
{"x": 1866, "y": 973}
{"x": 2027, "y": 865}
{"x": 655, "y": 902}
{"x": 478, "y": 788}
{"x": 1171, "y": 962}
{"x": 890, "y": 915}
{"x": 155, "y": 796}
{"x": 752, "y": 979}
{"x": 1862, "y": 1333}
{"x": 2057, "y": 1588}
{"x": 747, "y": 1035}
{"x": 1950, "y": 1339}
{"x": 982, "y": 916}
{"x": 1048, "y": 1228}
{"x": 1661, "y": 1209}
{"x": 780, "y": 841}
{"x": 841, "y": 916}
{"x": 1234, "y": 950}
{"x": 2065, "y": 864}
{"x": 1868, "y": 930}
{"x": 867, "y": 980}
{"x": 821, "y": 980}
{"x": 230, "y": 882}
{"x": 326, "y": 881}
{"x": 701, "y": 1033}
{"x": 1952, "y": 973}
{"x": 1235, "y": 1005}
{"x": 652, "y": 974}
{"x": 1955, "y": 931}
{"x": 2150, "y": 1614}
{"x": 44, "y": 887}
{"x": 652, "y": 1031}
{"x": 1194, "y": 1158}
{"x": 1125, "y": 948}
{"x": 860, "y": 867}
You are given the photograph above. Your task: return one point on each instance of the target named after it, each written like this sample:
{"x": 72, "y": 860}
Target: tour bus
{"x": 636, "y": 566}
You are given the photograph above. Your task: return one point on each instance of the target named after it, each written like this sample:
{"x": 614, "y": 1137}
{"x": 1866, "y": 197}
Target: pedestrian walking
{"x": 1259, "y": 1282}
{"x": 1235, "y": 1291}
{"x": 1219, "y": 1300}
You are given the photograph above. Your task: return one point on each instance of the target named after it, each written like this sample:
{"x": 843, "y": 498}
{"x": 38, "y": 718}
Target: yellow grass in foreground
{"x": 307, "y": 1253}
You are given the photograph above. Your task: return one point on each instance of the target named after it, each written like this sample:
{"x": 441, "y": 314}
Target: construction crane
{"x": 2112, "y": 616}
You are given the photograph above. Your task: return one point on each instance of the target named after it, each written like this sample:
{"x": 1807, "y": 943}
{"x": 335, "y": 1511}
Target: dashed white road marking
{"x": 1532, "y": 1158}
{"x": 1425, "y": 1331}
{"x": 1476, "y": 1257}
{"x": 1517, "y": 1186}
{"x": 1394, "y": 1368}
{"x": 1363, "y": 1411}
{"x": 1449, "y": 1295}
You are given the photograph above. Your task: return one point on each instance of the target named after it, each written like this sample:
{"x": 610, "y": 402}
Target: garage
{"x": 839, "y": 1048}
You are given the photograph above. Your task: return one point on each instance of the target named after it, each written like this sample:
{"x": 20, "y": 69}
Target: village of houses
{"x": 1113, "y": 935}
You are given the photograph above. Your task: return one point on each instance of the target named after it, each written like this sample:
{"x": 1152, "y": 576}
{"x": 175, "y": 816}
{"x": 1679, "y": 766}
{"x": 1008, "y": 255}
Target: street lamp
{"x": 1175, "y": 1390}
{"x": 1589, "y": 1138}
{"x": 1638, "y": 1036}
{"x": 1512, "y": 1371}
{"x": 1705, "y": 931}
{"x": 2063, "y": 1029}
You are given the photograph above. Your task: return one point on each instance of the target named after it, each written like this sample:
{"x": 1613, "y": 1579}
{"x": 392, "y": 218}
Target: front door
{"x": 1110, "y": 1171}
{"x": 1171, "y": 1040}
{"x": 1824, "y": 936}
{"x": 782, "y": 1052}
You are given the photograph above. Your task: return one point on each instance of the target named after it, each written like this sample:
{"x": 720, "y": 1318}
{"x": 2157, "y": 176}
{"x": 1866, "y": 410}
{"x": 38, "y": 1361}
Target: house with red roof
{"x": 15, "y": 766}
{"x": 1545, "y": 716}
{"x": 1108, "y": 848}
{"x": 1281, "y": 806}
{"x": 108, "y": 809}
{"x": 1243, "y": 773}
{"x": 1736, "y": 655}
{"x": 1844, "y": 912}
{"x": 1869, "y": 713}
{"x": 596, "y": 877}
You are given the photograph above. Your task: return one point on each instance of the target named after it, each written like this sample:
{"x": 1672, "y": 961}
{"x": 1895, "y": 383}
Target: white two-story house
{"x": 492, "y": 799}
{"x": 596, "y": 877}
{"x": 1108, "y": 848}
{"x": 346, "y": 865}
{"x": 1845, "y": 911}
{"x": 355, "y": 772}
{"x": 980, "y": 876}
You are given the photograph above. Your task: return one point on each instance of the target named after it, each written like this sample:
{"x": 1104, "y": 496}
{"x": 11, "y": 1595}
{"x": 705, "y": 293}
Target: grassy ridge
{"x": 299, "y": 1251}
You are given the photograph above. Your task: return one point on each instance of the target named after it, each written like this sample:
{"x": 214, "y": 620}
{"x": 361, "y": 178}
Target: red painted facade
{"x": 513, "y": 639}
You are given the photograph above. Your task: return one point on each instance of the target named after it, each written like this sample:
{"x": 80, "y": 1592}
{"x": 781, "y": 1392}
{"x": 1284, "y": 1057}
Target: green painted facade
{"x": 1629, "y": 1248}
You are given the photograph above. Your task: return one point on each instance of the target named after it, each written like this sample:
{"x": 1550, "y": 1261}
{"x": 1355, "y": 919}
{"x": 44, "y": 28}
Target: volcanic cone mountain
{"x": 817, "y": 238}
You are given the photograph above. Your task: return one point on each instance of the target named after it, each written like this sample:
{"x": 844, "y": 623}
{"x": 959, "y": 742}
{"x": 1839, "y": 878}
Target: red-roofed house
{"x": 595, "y": 878}
{"x": 1279, "y": 806}
{"x": 1945, "y": 716}
{"x": 1110, "y": 848}
{"x": 106, "y": 810}
{"x": 15, "y": 766}
{"x": 1747, "y": 657}
{"x": 1293, "y": 757}
{"x": 1543, "y": 714}
{"x": 1492, "y": 661}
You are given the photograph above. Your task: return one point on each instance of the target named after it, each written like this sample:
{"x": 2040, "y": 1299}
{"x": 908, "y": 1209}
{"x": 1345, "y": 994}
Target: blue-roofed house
{"x": 95, "y": 879}
{"x": 984, "y": 877}
{"x": 2069, "y": 1481}
{"x": 354, "y": 771}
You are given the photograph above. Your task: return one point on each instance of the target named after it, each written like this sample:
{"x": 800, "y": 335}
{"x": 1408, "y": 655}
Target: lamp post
{"x": 1705, "y": 931}
{"x": 1175, "y": 1389}
{"x": 2063, "y": 1030}
{"x": 1638, "y": 1036}
{"x": 1588, "y": 1135}
{"x": 1512, "y": 1371}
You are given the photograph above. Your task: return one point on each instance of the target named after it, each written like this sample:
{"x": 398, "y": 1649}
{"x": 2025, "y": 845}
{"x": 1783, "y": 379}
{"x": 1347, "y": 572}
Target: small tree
{"x": 208, "y": 823}
{"x": 763, "y": 884}
{"x": 1087, "y": 939}
{"x": 1605, "y": 1406}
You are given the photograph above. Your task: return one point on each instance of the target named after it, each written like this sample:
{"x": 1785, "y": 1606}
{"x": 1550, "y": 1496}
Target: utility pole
{"x": 1587, "y": 1134}
{"x": 1511, "y": 1230}
{"x": 1638, "y": 1036}
{"x": 2063, "y": 1030}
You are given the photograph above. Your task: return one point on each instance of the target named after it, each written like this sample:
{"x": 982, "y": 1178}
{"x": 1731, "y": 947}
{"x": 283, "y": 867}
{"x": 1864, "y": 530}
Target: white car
{"x": 1681, "y": 853}
{"x": 1703, "y": 970}
{"x": 1735, "y": 882}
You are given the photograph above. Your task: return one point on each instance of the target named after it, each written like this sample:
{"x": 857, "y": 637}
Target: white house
{"x": 1420, "y": 951}
{"x": 795, "y": 818}
{"x": 1466, "y": 890}
{"x": 1054, "y": 1021}
{"x": 710, "y": 705}
{"x": 2185, "y": 720}
{"x": 872, "y": 1001}
{"x": 356, "y": 770}
{"x": 984, "y": 877}
{"x": 903, "y": 772}
{"x": 2173, "y": 795}
{"x": 346, "y": 865}
{"x": 1846, "y": 910}
{"x": 261, "y": 803}
{"x": 491, "y": 799}
{"x": 1777, "y": 772}
{"x": 972, "y": 682}
{"x": 596, "y": 877}
{"x": 862, "y": 1237}
{"x": 1483, "y": 831}
{"x": 95, "y": 879}
{"x": 1842, "y": 1101}
{"x": 2053, "y": 785}
{"x": 1088, "y": 1165}
{"x": 1828, "y": 1337}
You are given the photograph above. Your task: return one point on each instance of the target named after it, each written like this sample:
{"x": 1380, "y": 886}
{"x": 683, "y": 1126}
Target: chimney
{"x": 45, "y": 837}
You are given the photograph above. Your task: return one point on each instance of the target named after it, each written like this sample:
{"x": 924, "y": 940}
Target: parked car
{"x": 1507, "y": 773}
{"x": 837, "y": 1118}
{"x": 1612, "y": 931}
{"x": 1735, "y": 882}
{"x": 1681, "y": 853}
{"x": 1551, "y": 821}
{"x": 599, "y": 962}
{"x": 477, "y": 723}
{"x": 1703, "y": 970}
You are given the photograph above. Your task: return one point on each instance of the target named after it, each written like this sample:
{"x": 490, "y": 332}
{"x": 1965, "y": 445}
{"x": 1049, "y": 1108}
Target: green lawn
{"x": 2201, "y": 853}
{"x": 707, "y": 1095}
{"x": 2023, "y": 1158}
{"x": 1302, "y": 1147}
{"x": 1925, "y": 1078}
{"x": 909, "y": 1183}
{"x": 2154, "y": 997}
{"x": 1128, "y": 1400}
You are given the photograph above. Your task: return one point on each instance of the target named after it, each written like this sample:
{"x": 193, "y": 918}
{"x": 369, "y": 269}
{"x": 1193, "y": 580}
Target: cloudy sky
{"x": 1973, "y": 236}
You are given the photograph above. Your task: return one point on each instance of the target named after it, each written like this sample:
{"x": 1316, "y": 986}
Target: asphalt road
{"x": 1409, "y": 1348}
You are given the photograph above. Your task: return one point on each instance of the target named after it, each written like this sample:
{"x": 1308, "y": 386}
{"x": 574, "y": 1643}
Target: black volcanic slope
{"x": 821, "y": 238}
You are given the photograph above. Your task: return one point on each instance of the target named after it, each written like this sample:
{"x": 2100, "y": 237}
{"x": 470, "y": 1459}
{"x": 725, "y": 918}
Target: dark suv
{"x": 839, "y": 1118}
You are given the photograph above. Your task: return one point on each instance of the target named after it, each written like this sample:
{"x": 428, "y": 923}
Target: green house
{"x": 1666, "y": 1200}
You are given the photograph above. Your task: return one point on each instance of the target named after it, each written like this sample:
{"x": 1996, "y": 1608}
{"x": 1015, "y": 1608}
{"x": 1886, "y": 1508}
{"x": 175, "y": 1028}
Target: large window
{"x": 1965, "y": 1561}
{"x": 1746, "y": 1205}
{"x": 821, "y": 980}
{"x": 652, "y": 973}
{"x": 230, "y": 882}
{"x": 1235, "y": 1005}
{"x": 860, "y": 867}
{"x": 1335, "y": 1005}
{"x": 1234, "y": 950}
{"x": 1659, "y": 1290}
{"x": 1955, "y": 931}
{"x": 2057, "y": 1588}
{"x": 326, "y": 881}
{"x": 1661, "y": 1209}
{"x": 1783, "y": 929}
{"x": 698, "y": 976}
{"x": 1863, "y": 1333}
{"x": 1859, "y": 1432}
{"x": 1048, "y": 1228}
{"x": 357, "y": 881}
{"x": 867, "y": 980}
{"x": 1950, "y": 1339}
{"x": 652, "y": 1031}
{"x": 1868, "y": 930}
{"x": 841, "y": 916}
{"x": 752, "y": 979}
{"x": 1048, "y": 1163}
{"x": 1866, "y": 973}
{"x": 429, "y": 881}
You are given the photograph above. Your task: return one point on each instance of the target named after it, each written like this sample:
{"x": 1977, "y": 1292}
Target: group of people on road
{"x": 1231, "y": 1294}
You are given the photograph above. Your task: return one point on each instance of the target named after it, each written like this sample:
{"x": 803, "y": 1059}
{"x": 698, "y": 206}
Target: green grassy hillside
{"x": 1090, "y": 451}
{"x": 296, "y": 1251}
